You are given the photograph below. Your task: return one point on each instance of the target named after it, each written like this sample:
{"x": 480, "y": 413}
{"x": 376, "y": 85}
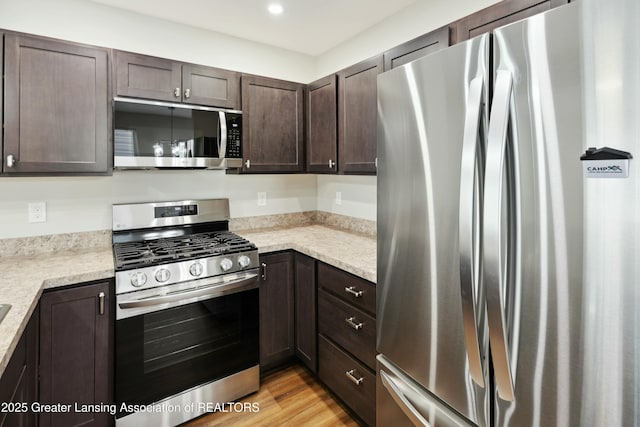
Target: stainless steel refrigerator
{"x": 492, "y": 270}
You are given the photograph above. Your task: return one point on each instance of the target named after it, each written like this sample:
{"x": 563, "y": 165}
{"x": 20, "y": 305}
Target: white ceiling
{"x": 308, "y": 26}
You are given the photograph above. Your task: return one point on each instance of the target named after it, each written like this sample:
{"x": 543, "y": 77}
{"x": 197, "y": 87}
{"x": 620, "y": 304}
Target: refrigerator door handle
{"x": 470, "y": 200}
{"x": 403, "y": 403}
{"x": 498, "y": 275}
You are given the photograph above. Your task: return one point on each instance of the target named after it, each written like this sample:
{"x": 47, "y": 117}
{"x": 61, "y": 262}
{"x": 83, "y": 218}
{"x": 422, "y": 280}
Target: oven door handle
{"x": 216, "y": 289}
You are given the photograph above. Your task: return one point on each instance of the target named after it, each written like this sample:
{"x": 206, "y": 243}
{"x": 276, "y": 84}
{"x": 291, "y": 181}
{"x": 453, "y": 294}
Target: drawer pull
{"x": 352, "y": 290}
{"x": 352, "y": 377}
{"x": 351, "y": 321}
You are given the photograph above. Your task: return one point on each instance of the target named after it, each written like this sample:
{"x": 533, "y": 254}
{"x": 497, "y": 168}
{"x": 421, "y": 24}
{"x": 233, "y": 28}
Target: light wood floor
{"x": 291, "y": 397}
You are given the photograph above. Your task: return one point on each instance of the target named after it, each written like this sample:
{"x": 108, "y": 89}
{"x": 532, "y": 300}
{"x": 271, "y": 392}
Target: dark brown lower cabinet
{"x": 350, "y": 380}
{"x": 347, "y": 339}
{"x": 277, "y": 345}
{"x": 19, "y": 382}
{"x": 76, "y": 353}
{"x": 305, "y": 311}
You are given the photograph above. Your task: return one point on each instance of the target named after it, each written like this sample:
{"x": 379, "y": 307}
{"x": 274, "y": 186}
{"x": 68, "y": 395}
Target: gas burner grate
{"x": 151, "y": 252}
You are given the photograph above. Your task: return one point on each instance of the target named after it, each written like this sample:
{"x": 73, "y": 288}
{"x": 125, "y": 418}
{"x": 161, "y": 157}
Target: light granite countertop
{"x": 351, "y": 252}
{"x": 23, "y": 278}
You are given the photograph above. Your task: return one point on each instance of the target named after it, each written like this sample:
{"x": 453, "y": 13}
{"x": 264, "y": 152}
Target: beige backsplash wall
{"x": 81, "y": 204}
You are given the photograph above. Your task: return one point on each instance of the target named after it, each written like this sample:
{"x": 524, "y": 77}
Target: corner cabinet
{"x": 57, "y": 116}
{"x": 272, "y": 125}
{"x": 76, "y": 353}
{"x": 357, "y": 116}
{"x": 277, "y": 345}
{"x": 305, "y": 311}
{"x": 142, "y": 76}
{"x": 501, "y": 13}
{"x": 322, "y": 125}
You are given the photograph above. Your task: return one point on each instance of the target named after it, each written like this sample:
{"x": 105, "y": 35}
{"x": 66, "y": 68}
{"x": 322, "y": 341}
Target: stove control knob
{"x": 138, "y": 279}
{"x": 244, "y": 261}
{"x": 226, "y": 264}
{"x": 196, "y": 269}
{"x": 163, "y": 275}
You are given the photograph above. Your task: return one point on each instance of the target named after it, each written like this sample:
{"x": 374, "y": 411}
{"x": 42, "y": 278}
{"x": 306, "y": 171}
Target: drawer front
{"x": 350, "y": 328}
{"x": 348, "y": 287}
{"x": 340, "y": 373}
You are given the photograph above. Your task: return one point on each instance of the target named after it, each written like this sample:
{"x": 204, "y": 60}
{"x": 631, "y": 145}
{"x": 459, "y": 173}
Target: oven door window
{"x": 166, "y": 352}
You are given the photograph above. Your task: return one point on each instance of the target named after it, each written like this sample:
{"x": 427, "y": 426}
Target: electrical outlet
{"x": 37, "y": 212}
{"x": 338, "y": 197}
{"x": 262, "y": 198}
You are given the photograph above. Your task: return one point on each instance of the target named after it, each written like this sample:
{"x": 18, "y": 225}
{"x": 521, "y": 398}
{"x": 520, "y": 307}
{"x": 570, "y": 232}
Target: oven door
{"x": 185, "y": 342}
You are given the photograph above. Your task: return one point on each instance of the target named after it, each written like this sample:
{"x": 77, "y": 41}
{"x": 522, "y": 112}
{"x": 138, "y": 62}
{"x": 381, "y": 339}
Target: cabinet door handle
{"x": 187, "y": 93}
{"x": 101, "y": 303}
{"x": 11, "y": 160}
{"x": 351, "y": 321}
{"x": 331, "y": 164}
{"x": 176, "y": 92}
{"x": 352, "y": 290}
{"x": 264, "y": 271}
{"x": 352, "y": 377}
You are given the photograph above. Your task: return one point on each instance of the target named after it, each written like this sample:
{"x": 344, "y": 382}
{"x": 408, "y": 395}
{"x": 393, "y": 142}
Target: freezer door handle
{"x": 471, "y": 288}
{"x": 500, "y": 247}
{"x": 401, "y": 400}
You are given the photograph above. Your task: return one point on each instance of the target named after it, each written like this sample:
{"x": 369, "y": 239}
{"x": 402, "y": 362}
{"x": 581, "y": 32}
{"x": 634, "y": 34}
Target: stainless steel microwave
{"x": 150, "y": 134}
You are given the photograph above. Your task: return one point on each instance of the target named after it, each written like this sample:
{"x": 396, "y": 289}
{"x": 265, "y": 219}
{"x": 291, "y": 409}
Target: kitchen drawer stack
{"x": 347, "y": 339}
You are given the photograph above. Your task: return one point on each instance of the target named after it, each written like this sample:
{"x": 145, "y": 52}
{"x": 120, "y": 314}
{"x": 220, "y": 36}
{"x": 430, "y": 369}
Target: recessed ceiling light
{"x": 275, "y": 9}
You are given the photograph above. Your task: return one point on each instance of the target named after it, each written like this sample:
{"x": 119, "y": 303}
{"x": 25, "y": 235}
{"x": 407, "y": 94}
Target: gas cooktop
{"x": 146, "y": 253}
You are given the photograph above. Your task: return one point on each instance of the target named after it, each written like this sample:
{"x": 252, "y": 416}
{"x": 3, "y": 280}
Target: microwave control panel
{"x": 234, "y": 136}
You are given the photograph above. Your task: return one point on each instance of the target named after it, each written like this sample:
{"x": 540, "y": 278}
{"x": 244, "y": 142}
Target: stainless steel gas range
{"x": 186, "y": 311}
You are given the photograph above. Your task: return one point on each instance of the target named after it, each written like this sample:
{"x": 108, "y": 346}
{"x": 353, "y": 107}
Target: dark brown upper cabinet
{"x": 322, "y": 125}
{"x": 416, "y": 48}
{"x": 57, "y": 116}
{"x": 357, "y": 117}
{"x": 142, "y": 76}
{"x": 2, "y": 159}
{"x": 502, "y": 13}
{"x": 272, "y": 125}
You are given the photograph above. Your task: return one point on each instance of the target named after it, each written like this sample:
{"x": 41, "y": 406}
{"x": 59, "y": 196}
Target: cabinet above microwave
{"x": 151, "y": 134}
{"x": 160, "y": 79}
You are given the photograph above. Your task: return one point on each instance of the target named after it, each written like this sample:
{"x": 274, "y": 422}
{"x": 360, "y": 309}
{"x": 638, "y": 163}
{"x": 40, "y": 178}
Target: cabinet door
{"x": 210, "y": 86}
{"x": 76, "y": 353}
{"x": 322, "y": 125}
{"x": 56, "y": 107}
{"x": 273, "y": 125}
{"x": 19, "y": 382}
{"x": 416, "y": 48}
{"x": 502, "y": 13}
{"x": 305, "y": 311}
{"x": 357, "y": 116}
{"x": 142, "y": 76}
{"x": 276, "y": 310}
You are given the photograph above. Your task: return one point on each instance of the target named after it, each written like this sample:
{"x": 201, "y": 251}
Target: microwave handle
{"x": 222, "y": 141}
